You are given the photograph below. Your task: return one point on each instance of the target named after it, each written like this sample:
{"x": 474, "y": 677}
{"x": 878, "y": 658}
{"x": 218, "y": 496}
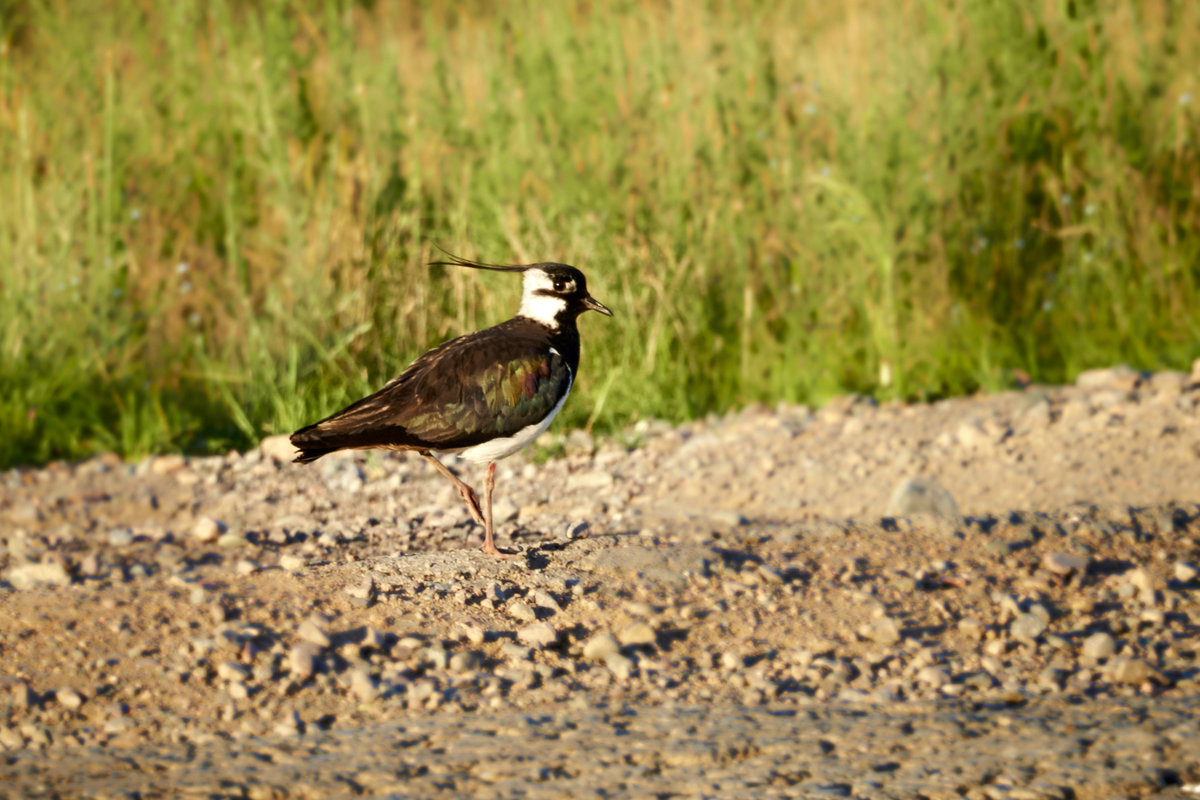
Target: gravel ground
{"x": 984, "y": 597}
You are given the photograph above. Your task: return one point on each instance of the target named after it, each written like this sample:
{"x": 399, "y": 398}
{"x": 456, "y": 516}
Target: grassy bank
{"x": 214, "y": 218}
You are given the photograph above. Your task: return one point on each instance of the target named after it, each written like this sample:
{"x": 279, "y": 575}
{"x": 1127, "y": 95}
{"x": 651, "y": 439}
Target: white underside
{"x": 497, "y": 449}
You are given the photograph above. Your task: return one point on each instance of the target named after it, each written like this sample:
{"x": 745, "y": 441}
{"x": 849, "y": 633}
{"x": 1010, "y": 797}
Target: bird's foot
{"x": 490, "y": 549}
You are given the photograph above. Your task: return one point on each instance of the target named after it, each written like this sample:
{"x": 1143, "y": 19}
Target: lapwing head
{"x": 551, "y": 294}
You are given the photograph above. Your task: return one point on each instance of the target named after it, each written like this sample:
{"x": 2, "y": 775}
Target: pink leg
{"x": 466, "y": 492}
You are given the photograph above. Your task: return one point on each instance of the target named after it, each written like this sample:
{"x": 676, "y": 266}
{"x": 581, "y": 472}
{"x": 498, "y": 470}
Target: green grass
{"x": 215, "y": 216}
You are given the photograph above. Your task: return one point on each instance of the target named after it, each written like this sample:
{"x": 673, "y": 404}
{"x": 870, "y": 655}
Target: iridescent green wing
{"x": 481, "y": 395}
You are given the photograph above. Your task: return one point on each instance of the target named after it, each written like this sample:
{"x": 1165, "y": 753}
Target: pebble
{"x": 292, "y": 562}
{"x": 1064, "y": 563}
{"x": 69, "y": 698}
{"x": 1133, "y": 670}
{"x": 313, "y": 630}
{"x": 363, "y": 593}
{"x": 1144, "y": 580}
{"x": 120, "y": 537}
{"x": 972, "y": 628}
{"x": 362, "y": 684}
{"x": 29, "y": 576}
{"x": 1185, "y": 572}
{"x": 231, "y": 540}
{"x": 207, "y": 529}
{"x": 521, "y": 610}
{"x": 472, "y": 631}
{"x": 919, "y": 495}
{"x": 1027, "y": 627}
{"x": 1098, "y": 646}
{"x": 600, "y": 647}
{"x": 464, "y": 661}
{"x": 10, "y": 739}
{"x": 302, "y": 660}
{"x": 246, "y": 566}
{"x": 884, "y": 630}
{"x": 639, "y": 633}
{"x": 538, "y": 635}
{"x": 543, "y": 599}
{"x": 232, "y": 671}
{"x": 290, "y": 725}
{"x": 933, "y": 676}
{"x": 620, "y": 666}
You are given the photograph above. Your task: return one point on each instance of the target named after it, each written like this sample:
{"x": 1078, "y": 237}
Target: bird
{"x": 484, "y": 395}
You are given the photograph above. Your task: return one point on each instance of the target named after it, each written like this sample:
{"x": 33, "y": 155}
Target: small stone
{"x": 290, "y": 725}
{"x": 246, "y": 566}
{"x": 120, "y": 537}
{"x": 620, "y": 666}
{"x": 69, "y": 698}
{"x": 514, "y": 652}
{"x": 972, "y": 435}
{"x": 1064, "y": 563}
{"x": 23, "y": 696}
{"x": 373, "y": 639}
{"x": 544, "y": 599}
{"x": 918, "y": 495}
{"x": 28, "y": 576}
{"x": 292, "y": 562}
{"x": 472, "y": 631}
{"x": 464, "y": 661}
{"x": 972, "y": 628}
{"x": 933, "y": 676}
{"x": 1098, "y": 646}
{"x": 363, "y": 593}
{"x": 1185, "y": 572}
{"x": 575, "y": 529}
{"x": 1027, "y": 628}
{"x": 600, "y": 647}
{"x": 207, "y": 529}
{"x": 1121, "y": 375}
{"x": 438, "y": 657}
{"x": 164, "y": 465}
{"x": 278, "y": 448}
{"x": 1144, "y": 580}
{"x": 313, "y": 630}
{"x": 1134, "y": 671}
{"x": 362, "y": 684}
{"x": 884, "y": 630}
{"x": 10, "y": 739}
{"x": 238, "y": 690}
{"x": 637, "y": 608}
{"x": 520, "y": 610}
{"x": 232, "y": 671}
{"x": 231, "y": 540}
{"x": 538, "y": 635}
{"x": 639, "y": 633}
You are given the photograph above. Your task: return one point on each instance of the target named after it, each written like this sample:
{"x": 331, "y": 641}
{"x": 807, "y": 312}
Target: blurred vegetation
{"x": 215, "y": 216}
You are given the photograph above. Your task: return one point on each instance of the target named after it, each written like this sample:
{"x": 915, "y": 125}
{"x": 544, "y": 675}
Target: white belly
{"x": 497, "y": 449}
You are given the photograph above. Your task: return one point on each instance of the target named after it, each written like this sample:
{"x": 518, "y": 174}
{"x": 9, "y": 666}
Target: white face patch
{"x": 541, "y": 308}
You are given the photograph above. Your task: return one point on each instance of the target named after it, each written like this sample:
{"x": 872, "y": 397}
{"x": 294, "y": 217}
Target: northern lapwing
{"x": 485, "y": 395}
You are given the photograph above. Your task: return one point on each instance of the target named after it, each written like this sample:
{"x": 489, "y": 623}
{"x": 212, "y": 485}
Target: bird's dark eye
{"x": 559, "y": 284}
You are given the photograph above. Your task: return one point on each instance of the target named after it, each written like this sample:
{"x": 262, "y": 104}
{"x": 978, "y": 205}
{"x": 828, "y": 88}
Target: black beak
{"x": 592, "y": 304}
